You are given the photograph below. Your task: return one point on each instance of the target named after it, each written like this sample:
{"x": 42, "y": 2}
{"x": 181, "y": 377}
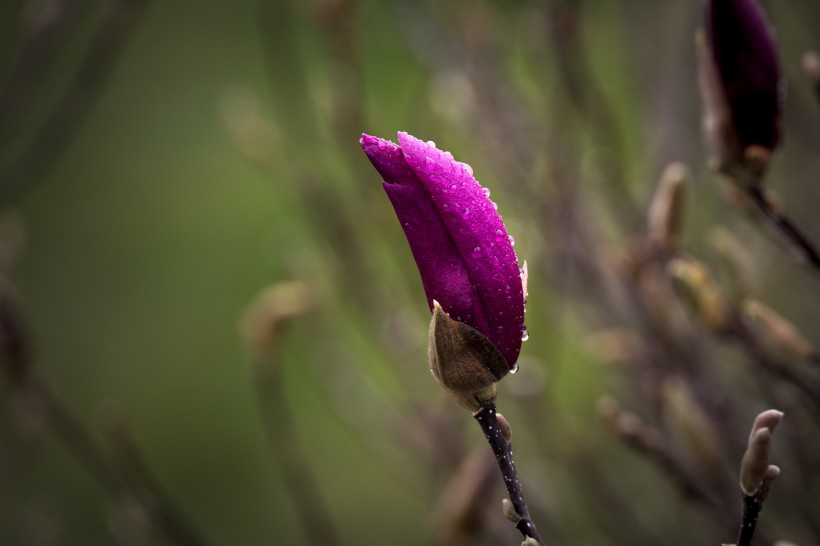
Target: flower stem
{"x": 751, "y": 511}
{"x": 487, "y": 420}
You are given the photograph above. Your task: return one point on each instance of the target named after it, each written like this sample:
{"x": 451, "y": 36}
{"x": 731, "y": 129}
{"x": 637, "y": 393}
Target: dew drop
{"x": 467, "y": 168}
{"x": 525, "y": 335}
{"x": 495, "y": 260}
{"x": 431, "y": 143}
{"x": 499, "y": 235}
{"x": 382, "y": 146}
{"x": 445, "y": 206}
{"x": 452, "y": 186}
{"x": 514, "y": 368}
{"x": 431, "y": 163}
{"x": 495, "y": 205}
{"x": 512, "y": 239}
{"x": 500, "y": 329}
{"x": 477, "y": 250}
{"x": 466, "y": 214}
{"x": 485, "y": 191}
{"x": 448, "y": 155}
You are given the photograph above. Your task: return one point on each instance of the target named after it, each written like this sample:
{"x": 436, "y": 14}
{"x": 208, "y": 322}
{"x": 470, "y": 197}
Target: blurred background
{"x": 214, "y": 331}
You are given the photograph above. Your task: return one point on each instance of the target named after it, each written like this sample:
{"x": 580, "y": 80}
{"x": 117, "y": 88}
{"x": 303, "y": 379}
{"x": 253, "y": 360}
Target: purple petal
{"x": 458, "y": 239}
{"x": 443, "y": 272}
{"x": 746, "y": 59}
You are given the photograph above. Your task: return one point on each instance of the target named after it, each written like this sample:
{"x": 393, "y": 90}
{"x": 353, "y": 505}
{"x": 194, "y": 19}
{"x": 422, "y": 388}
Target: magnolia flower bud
{"x": 462, "y": 249}
{"x": 463, "y": 361}
{"x": 744, "y": 58}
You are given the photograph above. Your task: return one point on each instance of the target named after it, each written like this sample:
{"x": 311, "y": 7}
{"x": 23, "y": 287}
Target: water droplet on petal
{"x": 512, "y": 239}
{"x": 466, "y": 214}
{"x": 525, "y": 335}
{"x": 445, "y": 206}
{"x": 485, "y": 191}
{"x": 496, "y": 260}
{"x": 477, "y": 250}
{"x": 514, "y": 368}
{"x": 500, "y": 329}
{"x": 495, "y": 205}
{"x": 382, "y": 146}
{"x": 448, "y": 155}
{"x": 468, "y": 169}
{"x": 431, "y": 143}
{"x": 499, "y": 235}
{"x": 452, "y": 186}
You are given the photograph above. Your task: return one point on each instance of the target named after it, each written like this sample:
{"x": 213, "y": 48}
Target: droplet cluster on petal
{"x": 484, "y": 288}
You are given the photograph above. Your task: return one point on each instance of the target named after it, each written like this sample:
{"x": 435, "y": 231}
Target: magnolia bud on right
{"x": 756, "y": 471}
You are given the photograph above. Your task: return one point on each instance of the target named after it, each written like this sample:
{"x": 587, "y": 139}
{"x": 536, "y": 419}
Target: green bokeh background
{"x": 153, "y": 233}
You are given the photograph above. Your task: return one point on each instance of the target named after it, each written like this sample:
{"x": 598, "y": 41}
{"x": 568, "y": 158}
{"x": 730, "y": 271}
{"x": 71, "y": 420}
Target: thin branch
{"x": 752, "y": 506}
{"x": 144, "y": 486}
{"x": 488, "y": 421}
{"x": 793, "y": 235}
{"x": 300, "y": 482}
{"x": 64, "y": 121}
{"x": 76, "y": 438}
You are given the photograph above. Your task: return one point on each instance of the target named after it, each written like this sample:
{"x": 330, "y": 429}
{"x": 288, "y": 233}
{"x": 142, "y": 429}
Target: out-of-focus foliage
{"x": 169, "y": 162}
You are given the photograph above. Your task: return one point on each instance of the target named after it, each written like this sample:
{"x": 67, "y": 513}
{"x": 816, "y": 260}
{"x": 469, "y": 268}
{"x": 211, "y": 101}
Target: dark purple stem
{"x": 787, "y": 227}
{"x": 487, "y": 420}
{"x": 752, "y": 506}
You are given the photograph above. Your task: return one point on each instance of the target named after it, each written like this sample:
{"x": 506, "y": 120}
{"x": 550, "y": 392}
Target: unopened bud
{"x": 756, "y": 472}
{"x": 504, "y": 426}
{"x": 718, "y": 128}
{"x": 768, "y": 419}
{"x": 509, "y": 511}
{"x": 777, "y": 329}
{"x": 711, "y": 304}
{"x": 755, "y": 461}
{"x": 768, "y": 480}
{"x": 463, "y": 361}
{"x": 665, "y": 218}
